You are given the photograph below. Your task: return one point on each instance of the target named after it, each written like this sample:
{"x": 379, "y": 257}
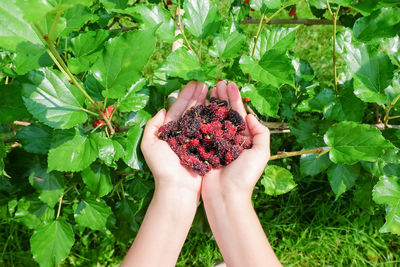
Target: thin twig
{"x": 298, "y": 153}
{"x": 59, "y": 205}
{"x": 391, "y": 105}
{"x": 306, "y": 22}
{"x": 22, "y": 123}
{"x": 180, "y": 25}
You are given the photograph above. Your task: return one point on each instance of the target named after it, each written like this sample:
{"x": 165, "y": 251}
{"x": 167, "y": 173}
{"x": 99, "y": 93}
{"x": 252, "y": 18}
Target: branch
{"x": 318, "y": 150}
{"x": 307, "y": 22}
{"x": 124, "y": 29}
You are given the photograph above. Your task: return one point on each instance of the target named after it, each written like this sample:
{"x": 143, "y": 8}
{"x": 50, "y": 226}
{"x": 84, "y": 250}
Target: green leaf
{"x": 344, "y": 106}
{"x": 382, "y": 23}
{"x": 265, "y": 99}
{"x": 110, "y": 150}
{"x": 277, "y": 180}
{"x": 51, "y": 99}
{"x": 154, "y": 15}
{"x": 122, "y": 61}
{"x": 35, "y": 138}
{"x": 97, "y": 179}
{"x": 76, "y": 17}
{"x": 274, "y": 68}
{"x": 307, "y": 133}
{"x": 372, "y": 73}
{"x": 342, "y": 177}
{"x": 51, "y": 243}
{"x": 32, "y": 212}
{"x": 71, "y": 150}
{"x": 228, "y": 44}
{"x": 275, "y": 38}
{"x": 201, "y": 17}
{"x": 351, "y": 142}
{"x": 92, "y": 214}
{"x": 13, "y": 29}
{"x": 11, "y": 105}
{"x": 86, "y": 48}
{"x": 49, "y": 185}
{"x": 132, "y": 147}
{"x": 311, "y": 165}
{"x": 387, "y": 191}
{"x": 136, "y": 98}
{"x": 184, "y": 64}
{"x": 114, "y": 4}
{"x": 264, "y": 5}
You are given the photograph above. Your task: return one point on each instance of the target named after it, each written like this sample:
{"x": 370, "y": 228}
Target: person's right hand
{"x": 162, "y": 161}
{"x": 239, "y": 177}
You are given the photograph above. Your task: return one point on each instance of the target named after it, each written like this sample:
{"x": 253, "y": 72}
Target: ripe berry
{"x": 206, "y": 137}
{"x": 292, "y": 12}
{"x": 98, "y": 123}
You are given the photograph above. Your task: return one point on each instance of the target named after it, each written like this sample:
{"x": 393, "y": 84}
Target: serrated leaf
{"x": 11, "y": 105}
{"x": 277, "y": 180}
{"x": 382, "y": 23}
{"x": 136, "y": 98}
{"x": 92, "y": 214}
{"x": 372, "y": 72}
{"x": 342, "y": 177}
{"x": 275, "y": 38}
{"x": 86, "y": 48}
{"x": 228, "y": 43}
{"x": 110, "y": 5}
{"x": 71, "y": 150}
{"x": 154, "y": 15}
{"x": 35, "y": 138}
{"x": 97, "y": 179}
{"x": 51, "y": 243}
{"x": 49, "y": 185}
{"x": 351, "y": 142}
{"x": 344, "y": 106}
{"x": 264, "y": 5}
{"x": 121, "y": 62}
{"x": 273, "y": 68}
{"x": 311, "y": 165}
{"x": 76, "y": 17}
{"x": 201, "y": 17}
{"x": 184, "y": 64}
{"x": 32, "y": 212}
{"x": 387, "y": 191}
{"x": 133, "y": 156}
{"x": 265, "y": 99}
{"x": 51, "y": 99}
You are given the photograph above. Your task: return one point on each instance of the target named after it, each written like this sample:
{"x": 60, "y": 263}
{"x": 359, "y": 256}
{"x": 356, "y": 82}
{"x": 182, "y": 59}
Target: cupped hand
{"x": 162, "y": 161}
{"x": 240, "y": 176}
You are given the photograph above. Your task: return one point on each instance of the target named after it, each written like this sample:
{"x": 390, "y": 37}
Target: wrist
{"x": 178, "y": 201}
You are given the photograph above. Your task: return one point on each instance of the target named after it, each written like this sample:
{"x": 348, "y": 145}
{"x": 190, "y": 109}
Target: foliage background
{"x": 309, "y": 217}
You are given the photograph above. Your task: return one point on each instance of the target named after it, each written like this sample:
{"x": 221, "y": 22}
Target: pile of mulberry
{"x": 207, "y": 137}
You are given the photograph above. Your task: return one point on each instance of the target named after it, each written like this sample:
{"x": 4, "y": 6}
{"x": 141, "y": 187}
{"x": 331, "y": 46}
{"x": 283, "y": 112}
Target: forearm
{"x": 238, "y": 231}
{"x": 164, "y": 229}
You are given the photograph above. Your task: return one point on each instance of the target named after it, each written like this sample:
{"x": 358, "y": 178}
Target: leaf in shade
{"x": 311, "y": 165}
{"x": 35, "y": 138}
{"x": 97, "y": 179}
{"x": 11, "y": 105}
{"x": 133, "y": 156}
{"x": 342, "y": 177}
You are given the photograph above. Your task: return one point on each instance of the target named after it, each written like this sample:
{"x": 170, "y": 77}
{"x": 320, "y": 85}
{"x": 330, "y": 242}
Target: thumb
{"x": 153, "y": 124}
{"x": 259, "y": 132}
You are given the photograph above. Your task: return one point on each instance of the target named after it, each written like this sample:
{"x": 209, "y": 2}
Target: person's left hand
{"x": 162, "y": 161}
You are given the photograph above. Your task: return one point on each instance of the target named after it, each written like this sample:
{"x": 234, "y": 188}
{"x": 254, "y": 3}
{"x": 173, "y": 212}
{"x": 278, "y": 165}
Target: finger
{"x": 152, "y": 126}
{"x": 213, "y": 92}
{"x": 181, "y": 104}
{"x": 198, "y": 96}
{"x": 235, "y": 99}
{"x": 221, "y": 90}
{"x": 260, "y": 134}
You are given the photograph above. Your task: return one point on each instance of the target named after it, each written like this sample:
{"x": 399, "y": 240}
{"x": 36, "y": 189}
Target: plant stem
{"x": 88, "y": 111}
{"x": 297, "y": 153}
{"x": 180, "y": 26}
{"x": 260, "y": 26}
{"x": 64, "y": 68}
{"x": 306, "y": 22}
{"x": 334, "y": 16}
{"x": 394, "y": 117}
{"x": 54, "y": 26}
{"x": 59, "y": 205}
{"x": 391, "y": 105}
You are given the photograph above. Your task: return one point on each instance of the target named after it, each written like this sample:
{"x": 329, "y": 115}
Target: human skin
{"x": 177, "y": 190}
{"x": 226, "y": 192}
